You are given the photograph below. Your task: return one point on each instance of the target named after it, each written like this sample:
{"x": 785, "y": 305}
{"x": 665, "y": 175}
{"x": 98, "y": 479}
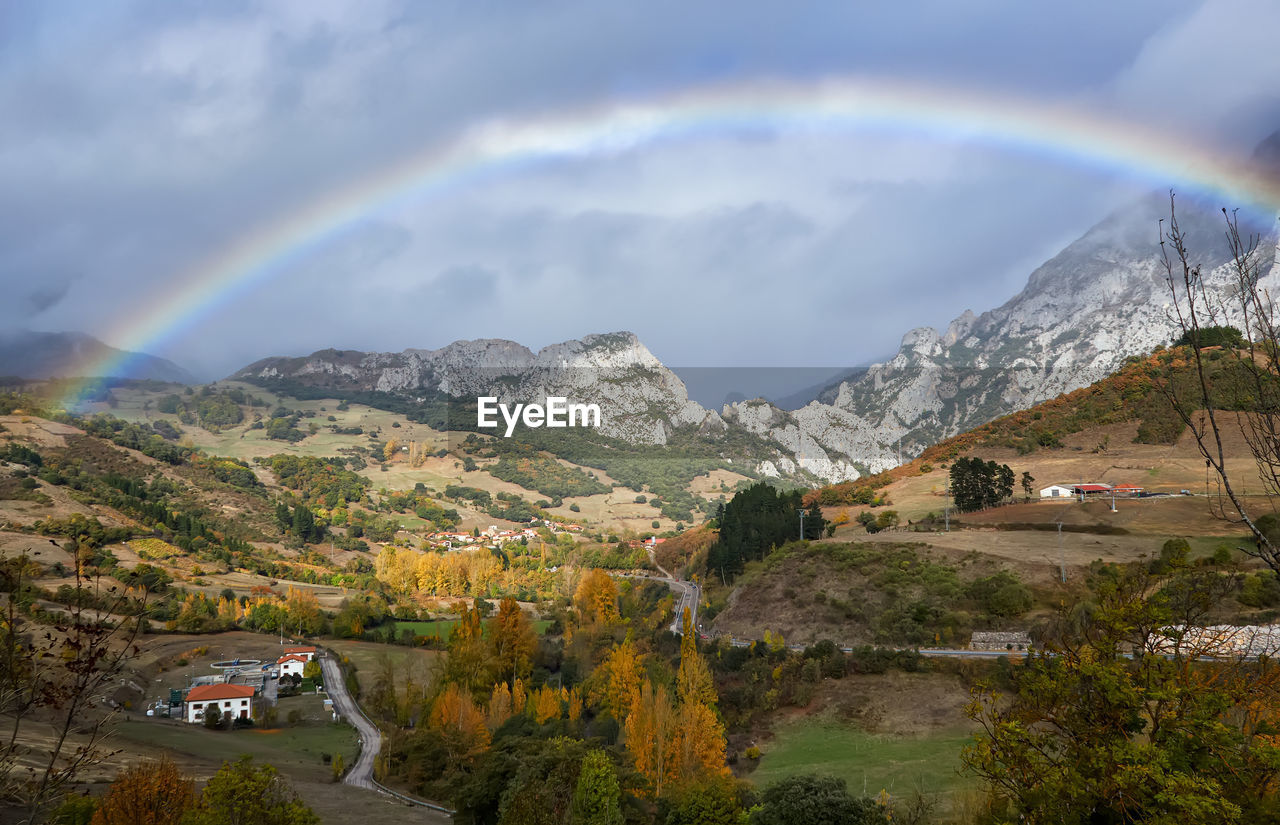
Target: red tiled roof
{"x": 292, "y": 657}
{"x": 289, "y": 650}
{"x": 206, "y": 693}
{"x": 1091, "y": 488}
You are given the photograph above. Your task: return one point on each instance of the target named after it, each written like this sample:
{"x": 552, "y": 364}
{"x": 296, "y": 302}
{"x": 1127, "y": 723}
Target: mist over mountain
{"x": 1100, "y": 300}
{"x": 36, "y": 355}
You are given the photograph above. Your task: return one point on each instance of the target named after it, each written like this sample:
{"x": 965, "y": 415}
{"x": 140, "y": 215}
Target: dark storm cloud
{"x": 140, "y": 140}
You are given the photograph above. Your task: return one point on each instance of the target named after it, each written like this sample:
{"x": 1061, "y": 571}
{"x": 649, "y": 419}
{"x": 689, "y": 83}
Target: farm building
{"x": 308, "y": 652}
{"x": 291, "y": 663}
{"x": 233, "y": 701}
{"x": 1057, "y": 491}
{"x": 1091, "y": 489}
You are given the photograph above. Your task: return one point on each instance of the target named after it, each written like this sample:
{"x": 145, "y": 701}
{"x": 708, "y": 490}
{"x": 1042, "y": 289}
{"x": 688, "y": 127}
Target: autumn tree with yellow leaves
{"x": 677, "y": 740}
{"x": 512, "y": 641}
{"x": 597, "y": 598}
{"x": 616, "y": 682}
{"x": 470, "y": 662}
{"x": 460, "y": 722}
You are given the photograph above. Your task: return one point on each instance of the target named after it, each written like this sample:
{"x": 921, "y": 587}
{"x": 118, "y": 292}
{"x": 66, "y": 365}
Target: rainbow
{"x": 1065, "y": 134}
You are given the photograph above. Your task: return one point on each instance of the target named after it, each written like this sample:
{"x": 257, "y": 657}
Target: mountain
{"x": 1101, "y": 300}
{"x": 642, "y": 402}
{"x": 35, "y": 355}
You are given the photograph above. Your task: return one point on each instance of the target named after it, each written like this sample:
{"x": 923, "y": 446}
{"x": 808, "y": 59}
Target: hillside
{"x": 31, "y": 355}
{"x": 594, "y": 481}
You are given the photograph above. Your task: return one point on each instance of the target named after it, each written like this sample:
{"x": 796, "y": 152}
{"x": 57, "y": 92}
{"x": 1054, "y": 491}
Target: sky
{"x": 139, "y": 141}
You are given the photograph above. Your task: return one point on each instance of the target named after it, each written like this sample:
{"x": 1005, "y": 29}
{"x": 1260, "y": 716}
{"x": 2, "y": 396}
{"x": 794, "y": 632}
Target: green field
{"x": 868, "y": 762}
{"x": 444, "y": 627}
{"x": 294, "y": 750}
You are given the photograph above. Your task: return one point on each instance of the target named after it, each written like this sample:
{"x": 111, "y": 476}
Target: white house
{"x": 307, "y": 652}
{"x": 1057, "y": 491}
{"x": 291, "y": 663}
{"x": 232, "y": 701}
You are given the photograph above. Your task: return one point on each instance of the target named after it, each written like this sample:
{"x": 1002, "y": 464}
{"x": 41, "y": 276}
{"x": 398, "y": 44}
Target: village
{"x": 495, "y": 538}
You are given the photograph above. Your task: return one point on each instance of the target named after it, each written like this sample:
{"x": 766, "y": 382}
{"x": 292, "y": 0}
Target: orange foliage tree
{"x": 512, "y": 641}
{"x": 616, "y": 682}
{"x": 149, "y": 793}
{"x": 546, "y": 705}
{"x": 699, "y": 734}
{"x": 597, "y": 598}
{"x": 460, "y": 722}
{"x": 650, "y": 730}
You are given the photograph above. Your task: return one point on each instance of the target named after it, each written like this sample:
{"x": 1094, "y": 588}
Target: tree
{"x": 977, "y": 484}
{"x": 546, "y": 705}
{"x": 1134, "y": 714}
{"x": 753, "y": 522}
{"x": 708, "y": 802}
{"x": 810, "y": 799}
{"x": 814, "y": 523}
{"x": 512, "y": 640}
{"x": 650, "y": 729}
{"x": 597, "y": 799}
{"x": 460, "y": 722}
{"x": 242, "y": 793}
{"x": 312, "y": 670}
{"x": 212, "y": 716}
{"x": 541, "y": 789}
{"x": 149, "y": 793}
{"x": 1202, "y": 302}
{"x": 1028, "y": 482}
{"x": 302, "y": 611}
{"x": 63, "y": 671}
{"x": 617, "y": 679}
{"x": 597, "y": 597}
{"x": 470, "y": 662}
{"x": 699, "y": 735}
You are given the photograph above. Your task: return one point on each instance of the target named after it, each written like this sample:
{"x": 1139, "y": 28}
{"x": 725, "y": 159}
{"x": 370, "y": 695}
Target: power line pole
{"x": 946, "y": 516}
{"x": 801, "y": 512}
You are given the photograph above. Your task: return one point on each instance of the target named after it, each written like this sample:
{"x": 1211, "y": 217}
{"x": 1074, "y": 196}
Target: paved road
{"x": 361, "y": 773}
{"x": 688, "y": 592}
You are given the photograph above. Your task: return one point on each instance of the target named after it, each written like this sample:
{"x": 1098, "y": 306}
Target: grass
{"x": 867, "y": 762}
{"x": 444, "y": 627}
{"x": 367, "y": 656}
{"x": 294, "y": 750}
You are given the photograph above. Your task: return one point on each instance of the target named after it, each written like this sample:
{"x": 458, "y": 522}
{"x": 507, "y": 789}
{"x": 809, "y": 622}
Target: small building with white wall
{"x": 1057, "y": 491}
{"x": 232, "y": 701}
{"x": 292, "y": 663}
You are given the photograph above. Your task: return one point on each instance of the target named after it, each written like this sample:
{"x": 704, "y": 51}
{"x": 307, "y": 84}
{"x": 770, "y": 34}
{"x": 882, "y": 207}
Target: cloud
{"x": 144, "y": 140}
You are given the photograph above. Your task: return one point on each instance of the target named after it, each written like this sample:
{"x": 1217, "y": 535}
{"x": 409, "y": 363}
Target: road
{"x": 361, "y": 773}
{"x": 688, "y": 592}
